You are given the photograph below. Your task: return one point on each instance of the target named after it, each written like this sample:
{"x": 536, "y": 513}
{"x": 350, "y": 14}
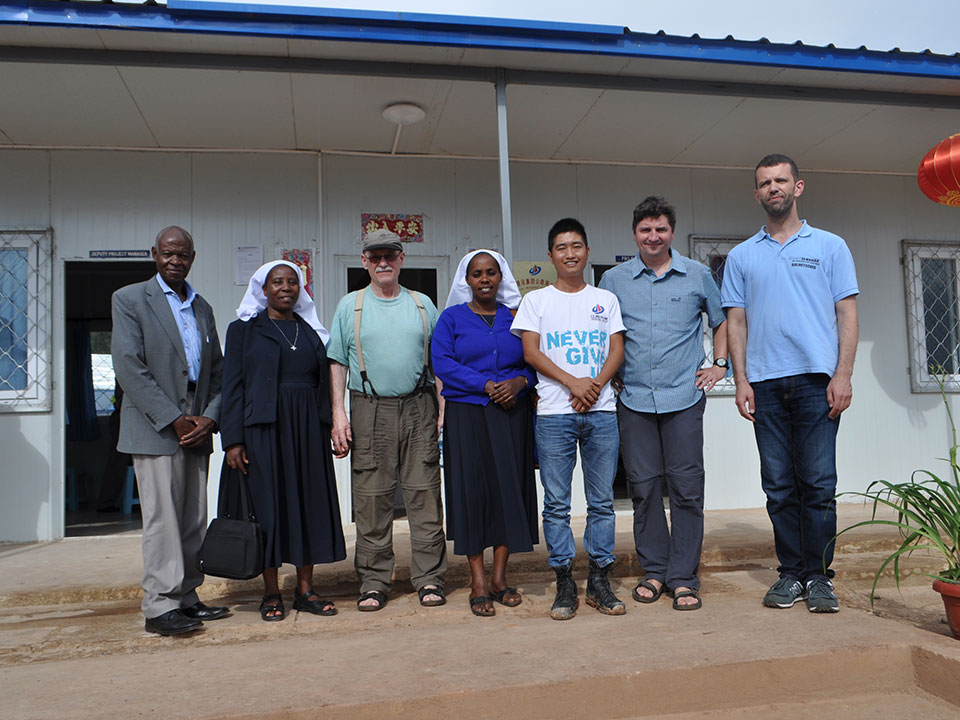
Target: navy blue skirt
{"x": 489, "y": 477}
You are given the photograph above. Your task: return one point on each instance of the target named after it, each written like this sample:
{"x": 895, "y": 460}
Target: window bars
{"x": 26, "y": 278}
{"x": 712, "y": 252}
{"x": 930, "y": 283}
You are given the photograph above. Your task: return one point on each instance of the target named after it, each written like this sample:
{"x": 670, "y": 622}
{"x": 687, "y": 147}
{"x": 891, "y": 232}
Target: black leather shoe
{"x": 171, "y": 623}
{"x": 199, "y": 611}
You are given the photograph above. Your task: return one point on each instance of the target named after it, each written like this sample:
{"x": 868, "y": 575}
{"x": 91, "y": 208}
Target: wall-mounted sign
{"x": 303, "y": 258}
{"x": 532, "y": 275}
{"x": 408, "y": 227}
{"x": 624, "y": 258}
{"x": 100, "y": 254}
{"x": 246, "y": 260}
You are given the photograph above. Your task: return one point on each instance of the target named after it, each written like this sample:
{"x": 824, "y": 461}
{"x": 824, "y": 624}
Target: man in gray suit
{"x": 167, "y": 358}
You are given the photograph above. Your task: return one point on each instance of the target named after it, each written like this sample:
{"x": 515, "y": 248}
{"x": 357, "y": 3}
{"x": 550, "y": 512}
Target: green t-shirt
{"x": 391, "y": 333}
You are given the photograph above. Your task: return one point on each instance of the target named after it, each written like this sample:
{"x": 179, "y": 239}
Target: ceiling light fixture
{"x": 402, "y": 114}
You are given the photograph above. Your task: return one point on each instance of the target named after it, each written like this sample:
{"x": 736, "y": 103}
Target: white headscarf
{"x": 254, "y": 301}
{"x": 507, "y": 294}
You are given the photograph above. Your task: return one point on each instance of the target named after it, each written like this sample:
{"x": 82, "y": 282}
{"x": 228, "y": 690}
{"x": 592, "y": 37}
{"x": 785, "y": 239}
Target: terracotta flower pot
{"x": 950, "y": 592}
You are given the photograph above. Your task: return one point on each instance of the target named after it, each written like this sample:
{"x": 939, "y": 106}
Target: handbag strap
{"x": 246, "y": 505}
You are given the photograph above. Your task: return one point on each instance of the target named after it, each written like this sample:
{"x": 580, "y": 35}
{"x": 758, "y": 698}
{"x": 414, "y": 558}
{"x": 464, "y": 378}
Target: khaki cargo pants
{"x": 395, "y": 440}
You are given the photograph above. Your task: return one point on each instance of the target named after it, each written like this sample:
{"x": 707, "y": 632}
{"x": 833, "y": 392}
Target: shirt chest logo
{"x": 597, "y": 313}
{"x": 800, "y": 261}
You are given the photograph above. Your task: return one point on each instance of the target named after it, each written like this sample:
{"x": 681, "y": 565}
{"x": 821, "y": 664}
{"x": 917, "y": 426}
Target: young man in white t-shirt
{"x": 572, "y": 335}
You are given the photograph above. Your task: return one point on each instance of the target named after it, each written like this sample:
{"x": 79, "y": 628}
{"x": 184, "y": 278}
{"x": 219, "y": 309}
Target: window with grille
{"x": 930, "y": 281}
{"x": 712, "y": 252}
{"x": 25, "y": 331}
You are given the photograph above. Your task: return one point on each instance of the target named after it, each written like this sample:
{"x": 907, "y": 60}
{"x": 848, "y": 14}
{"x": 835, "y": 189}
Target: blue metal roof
{"x": 467, "y": 32}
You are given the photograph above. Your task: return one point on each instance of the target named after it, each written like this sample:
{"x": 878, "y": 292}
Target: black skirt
{"x": 489, "y": 477}
{"x": 291, "y": 478}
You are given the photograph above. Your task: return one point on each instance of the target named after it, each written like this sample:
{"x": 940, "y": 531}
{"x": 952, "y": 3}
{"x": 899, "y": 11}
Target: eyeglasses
{"x": 390, "y": 256}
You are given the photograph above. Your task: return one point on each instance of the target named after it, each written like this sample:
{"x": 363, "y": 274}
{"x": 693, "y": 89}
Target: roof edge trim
{"x": 480, "y": 33}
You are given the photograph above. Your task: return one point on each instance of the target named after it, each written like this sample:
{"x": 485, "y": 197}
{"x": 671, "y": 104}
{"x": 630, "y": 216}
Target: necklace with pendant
{"x": 293, "y": 345}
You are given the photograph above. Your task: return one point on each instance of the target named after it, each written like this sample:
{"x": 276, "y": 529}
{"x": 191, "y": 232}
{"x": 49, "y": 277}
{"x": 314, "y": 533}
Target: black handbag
{"x": 233, "y": 545}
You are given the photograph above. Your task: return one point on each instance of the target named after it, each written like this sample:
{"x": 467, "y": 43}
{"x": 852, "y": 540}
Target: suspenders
{"x": 422, "y": 382}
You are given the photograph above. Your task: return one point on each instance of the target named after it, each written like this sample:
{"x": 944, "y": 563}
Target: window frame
{"x": 700, "y": 250}
{"x": 37, "y": 396}
{"x": 912, "y": 253}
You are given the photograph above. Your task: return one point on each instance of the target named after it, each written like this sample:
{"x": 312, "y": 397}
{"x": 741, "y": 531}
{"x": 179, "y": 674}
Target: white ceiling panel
{"x": 68, "y": 105}
{"x": 540, "y": 119}
{"x": 560, "y": 62}
{"x": 214, "y": 108}
{"x": 346, "y": 112}
{"x": 300, "y": 47}
{"x": 760, "y": 126}
{"x": 685, "y": 69}
{"x": 192, "y": 43}
{"x": 891, "y": 139}
{"x": 468, "y": 125}
{"x": 868, "y": 81}
{"x": 36, "y": 36}
{"x": 644, "y": 127}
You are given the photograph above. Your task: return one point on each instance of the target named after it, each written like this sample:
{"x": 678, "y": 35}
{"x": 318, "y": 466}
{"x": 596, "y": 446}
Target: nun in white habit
{"x": 275, "y": 431}
{"x": 491, "y": 496}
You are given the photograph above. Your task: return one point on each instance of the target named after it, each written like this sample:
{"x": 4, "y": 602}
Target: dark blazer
{"x": 151, "y": 367}
{"x": 251, "y": 375}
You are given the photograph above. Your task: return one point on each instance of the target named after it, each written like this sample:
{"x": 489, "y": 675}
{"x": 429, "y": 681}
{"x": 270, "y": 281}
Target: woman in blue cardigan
{"x": 488, "y": 426}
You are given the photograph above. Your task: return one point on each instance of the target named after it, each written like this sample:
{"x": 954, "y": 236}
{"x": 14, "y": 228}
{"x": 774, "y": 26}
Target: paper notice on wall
{"x": 246, "y": 261}
{"x": 303, "y": 258}
{"x": 533, "y": 275}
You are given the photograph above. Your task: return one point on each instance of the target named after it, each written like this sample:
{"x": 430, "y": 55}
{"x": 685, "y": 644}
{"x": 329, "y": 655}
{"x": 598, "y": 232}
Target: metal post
{"x": 503, "y": 163}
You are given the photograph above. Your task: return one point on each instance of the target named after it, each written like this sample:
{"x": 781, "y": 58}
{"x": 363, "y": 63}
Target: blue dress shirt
{"x": 663, "y": 344}
{"x": 467, "y": 353}
{"x": 187, "y": 325}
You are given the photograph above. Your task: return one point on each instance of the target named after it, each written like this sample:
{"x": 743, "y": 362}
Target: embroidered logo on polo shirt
{"x": 805, "y": 262}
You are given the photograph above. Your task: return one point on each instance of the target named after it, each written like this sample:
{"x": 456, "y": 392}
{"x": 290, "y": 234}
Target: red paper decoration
{"x": 939, "y": 173}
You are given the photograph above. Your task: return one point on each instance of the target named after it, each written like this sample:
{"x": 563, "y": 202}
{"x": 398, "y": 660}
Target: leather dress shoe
{"x": 199, "y": 611}
{"x": 173, "y": 622}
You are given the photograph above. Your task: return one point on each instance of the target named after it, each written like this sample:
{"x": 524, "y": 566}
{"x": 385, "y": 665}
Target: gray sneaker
{"x": 784, "y": 593}
{"x": 820, "y": 596}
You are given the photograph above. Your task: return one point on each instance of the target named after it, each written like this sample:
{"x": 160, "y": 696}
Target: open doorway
{"x": 98, "y": 499}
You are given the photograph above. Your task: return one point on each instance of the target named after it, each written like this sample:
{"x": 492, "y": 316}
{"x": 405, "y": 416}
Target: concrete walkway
{"x": 72, "y": 643}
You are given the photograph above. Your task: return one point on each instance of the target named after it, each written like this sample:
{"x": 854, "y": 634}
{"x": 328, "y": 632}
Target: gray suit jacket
{"x": 151, "y": 367}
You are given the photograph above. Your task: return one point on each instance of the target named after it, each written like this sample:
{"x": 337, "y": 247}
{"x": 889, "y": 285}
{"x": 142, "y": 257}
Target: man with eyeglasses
{"x": 380, "y": 338}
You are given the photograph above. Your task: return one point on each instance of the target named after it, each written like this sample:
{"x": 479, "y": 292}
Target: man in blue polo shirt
{"x": 791, "y": 297}
{"x": 662, "y": 296}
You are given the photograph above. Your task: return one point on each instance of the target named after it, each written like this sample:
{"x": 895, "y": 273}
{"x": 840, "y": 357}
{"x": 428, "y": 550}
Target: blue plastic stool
{"x": 128, "y": 499}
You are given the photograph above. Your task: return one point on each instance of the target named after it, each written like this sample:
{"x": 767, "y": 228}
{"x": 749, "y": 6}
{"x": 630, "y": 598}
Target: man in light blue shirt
{"x": 791, "y": 297}
{"x": 662, "y": 298}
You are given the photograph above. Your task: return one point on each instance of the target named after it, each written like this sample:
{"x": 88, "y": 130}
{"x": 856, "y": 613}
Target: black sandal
{"x": 319, "y": 606}
{"x": 380, "y": 597}
{"x": 687, "y": 593}
{"x": 476, "y": 602}
{"x": 438, "y": 591}
{"x": 267, "y": 607}
{"x": 499, "y": 596}
{"x": 657, "y": 592}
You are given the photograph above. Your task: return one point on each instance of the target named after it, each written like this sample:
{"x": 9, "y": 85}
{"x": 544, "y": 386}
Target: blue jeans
{"x": 599, "y": 439}
{"x": 798, "y": 469}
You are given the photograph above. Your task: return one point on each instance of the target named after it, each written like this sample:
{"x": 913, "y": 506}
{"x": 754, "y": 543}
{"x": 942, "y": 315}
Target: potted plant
{"x": 928, "y": 517}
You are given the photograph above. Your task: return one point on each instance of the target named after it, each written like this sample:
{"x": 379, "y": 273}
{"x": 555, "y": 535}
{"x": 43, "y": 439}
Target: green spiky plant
{"x": 928, "y": 513}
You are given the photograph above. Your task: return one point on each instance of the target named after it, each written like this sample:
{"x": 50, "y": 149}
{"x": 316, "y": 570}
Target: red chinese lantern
{"x": 939, "y": 173}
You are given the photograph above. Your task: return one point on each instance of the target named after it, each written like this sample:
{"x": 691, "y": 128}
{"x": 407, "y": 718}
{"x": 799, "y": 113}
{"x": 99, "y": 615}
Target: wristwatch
{"x": 720, "y": 362}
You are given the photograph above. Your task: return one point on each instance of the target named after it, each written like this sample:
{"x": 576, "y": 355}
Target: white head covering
{"x": 254, "y": 301}
{"x": 507, "y": 294}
